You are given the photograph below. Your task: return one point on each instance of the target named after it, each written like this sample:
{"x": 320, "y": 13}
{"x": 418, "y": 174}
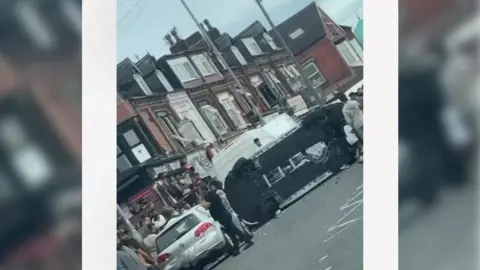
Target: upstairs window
{"x": 313, "y": 74}
{"x": 163, "y": 80}
{"x": 143, "y": 85}
{"x": 297, "y": 33}
{"x": 252, "y": 46}
{"x": 215, "y": 119}
{"x": 239, "y": 56}
{"x": 349, "y": 54}
{"x": 183, "y": 69}
{"x": 229, "y": 104}
{"x": 270, "y": 41}
{"x": 204, "y": 65}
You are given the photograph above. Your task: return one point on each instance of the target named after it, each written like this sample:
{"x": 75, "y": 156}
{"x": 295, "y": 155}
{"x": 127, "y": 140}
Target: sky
{"x": 142, "y": 24}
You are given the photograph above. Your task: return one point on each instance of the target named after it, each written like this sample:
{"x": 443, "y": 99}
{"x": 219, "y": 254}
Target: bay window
{"x": 313, "y": 74}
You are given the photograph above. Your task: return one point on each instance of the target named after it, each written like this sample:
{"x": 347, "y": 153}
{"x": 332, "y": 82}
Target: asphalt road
{"x": 321, "y": 231}
{"x": 442, "y": 237}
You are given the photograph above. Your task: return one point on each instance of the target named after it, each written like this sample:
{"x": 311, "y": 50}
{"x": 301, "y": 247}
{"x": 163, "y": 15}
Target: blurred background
{"x": 40, "y": 134}
{"x": 438, "y": 134}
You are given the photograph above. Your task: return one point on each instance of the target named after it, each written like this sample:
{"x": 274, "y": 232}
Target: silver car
{"x": 189, "y": 239}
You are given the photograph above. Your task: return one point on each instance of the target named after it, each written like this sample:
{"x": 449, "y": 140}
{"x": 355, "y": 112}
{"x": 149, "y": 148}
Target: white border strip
{"x": 99, "y": 133}
{"x": 380, "y": 230}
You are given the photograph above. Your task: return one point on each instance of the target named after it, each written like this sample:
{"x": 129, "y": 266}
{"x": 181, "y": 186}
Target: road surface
{"x": 321, "y": 231}
{"x": 443, "y": 237}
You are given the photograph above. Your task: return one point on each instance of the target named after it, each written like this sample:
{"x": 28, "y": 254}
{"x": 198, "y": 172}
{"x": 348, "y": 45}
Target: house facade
{"x": 329, "y": 58}
{"x": 263, "y": 69}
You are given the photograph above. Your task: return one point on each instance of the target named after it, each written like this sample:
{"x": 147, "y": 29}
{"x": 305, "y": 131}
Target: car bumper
{"x": 211, "y": 244}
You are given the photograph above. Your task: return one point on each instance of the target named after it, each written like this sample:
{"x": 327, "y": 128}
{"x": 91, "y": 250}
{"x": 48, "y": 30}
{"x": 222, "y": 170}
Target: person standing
{"x": 214, "y": 204}
{"x": 353, "y": 115}
{"x": 217, "y": 187}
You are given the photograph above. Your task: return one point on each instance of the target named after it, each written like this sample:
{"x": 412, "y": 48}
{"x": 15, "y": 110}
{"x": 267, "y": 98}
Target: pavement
{"x": 442, "y": 237}
{"x": 321, "y": 231}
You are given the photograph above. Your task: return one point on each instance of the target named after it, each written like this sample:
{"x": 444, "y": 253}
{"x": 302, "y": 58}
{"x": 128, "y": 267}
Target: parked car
{"x": 189, "y": 239}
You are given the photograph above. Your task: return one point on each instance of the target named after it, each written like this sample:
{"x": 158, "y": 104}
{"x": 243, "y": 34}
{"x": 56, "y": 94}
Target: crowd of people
{"x": 133, "y": 254}
{"x": 191, "y": 189}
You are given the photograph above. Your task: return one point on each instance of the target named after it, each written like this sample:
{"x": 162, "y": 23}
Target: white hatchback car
{"x": 189, "y": 239}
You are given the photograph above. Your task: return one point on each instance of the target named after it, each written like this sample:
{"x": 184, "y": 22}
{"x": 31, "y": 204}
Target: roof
{"x": 146, "y": 65}
{"x": 309, "y": 20}
{"x": 253, "y": 30}
{"x": 124, "y": 71}
{"x": 193, "y": 38}
{"x": 180, "y": 54}
{"x": 224, "y": 41}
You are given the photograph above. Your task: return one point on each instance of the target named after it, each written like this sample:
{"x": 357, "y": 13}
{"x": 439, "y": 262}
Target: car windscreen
{"x": 176, "y": 231}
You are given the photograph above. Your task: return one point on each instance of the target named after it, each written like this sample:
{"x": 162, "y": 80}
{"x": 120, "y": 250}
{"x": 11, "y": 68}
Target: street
{"x": 323, "y": 230}
{"x": 442, "y": 237}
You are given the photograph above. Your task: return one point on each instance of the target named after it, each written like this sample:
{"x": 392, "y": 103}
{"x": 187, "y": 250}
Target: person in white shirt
{"x": 353, "y": 140}
{"x": 353, "y": 115}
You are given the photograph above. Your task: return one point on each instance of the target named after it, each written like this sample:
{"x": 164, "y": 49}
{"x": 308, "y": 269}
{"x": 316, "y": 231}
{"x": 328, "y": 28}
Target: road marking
{"x": 337, "y": 233}
{"x": 344, "y": 224}
{"x": 323, "y": 258}
{"x": 345, "y": 216}
{"x": 351, "y": 204}
{"x": 329, "y": 268}
{"x": 348, "y": 204}
{"x": 360, "y": 187}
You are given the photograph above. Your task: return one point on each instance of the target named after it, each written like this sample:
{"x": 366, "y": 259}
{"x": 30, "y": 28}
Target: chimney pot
{"x": 207, "y": 23}
{"x": 169, "y": 39}
{"x": 175, "y": 35}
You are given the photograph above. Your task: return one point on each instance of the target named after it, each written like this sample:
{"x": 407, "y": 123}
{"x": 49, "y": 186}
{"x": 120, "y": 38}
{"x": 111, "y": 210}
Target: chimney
{"x": 168, "y": 39}
{"x": 207, "y": 23}
{"x": 175, "y": 35}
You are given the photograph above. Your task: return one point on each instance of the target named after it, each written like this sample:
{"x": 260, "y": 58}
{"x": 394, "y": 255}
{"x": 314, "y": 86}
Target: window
{"x": 143, "y": 85}
{"x": 165, "y": 118}
{"x": 141, "y": 153}
{"x": 215, "y": 119}
{"x": 348, "y": 53}
{"x": 297, "y": 33}
{"x": 357, "y": 47}
{"x": 270, "y": 41}
{"x": 131, "y": 137}
{"x": 138, "y": 149}
{"x": 252, "y": 46}
{"x": 123, "y": 163}
{"x": 233, "y": 112}
{"x": 204, "y": 65}
{"x": 164, "y": 80}
{"x": 188, "y": 130}
{"x": 313, "y": 74}
{"x": 183, "y": 69}
{"x": 239, "y": 56}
